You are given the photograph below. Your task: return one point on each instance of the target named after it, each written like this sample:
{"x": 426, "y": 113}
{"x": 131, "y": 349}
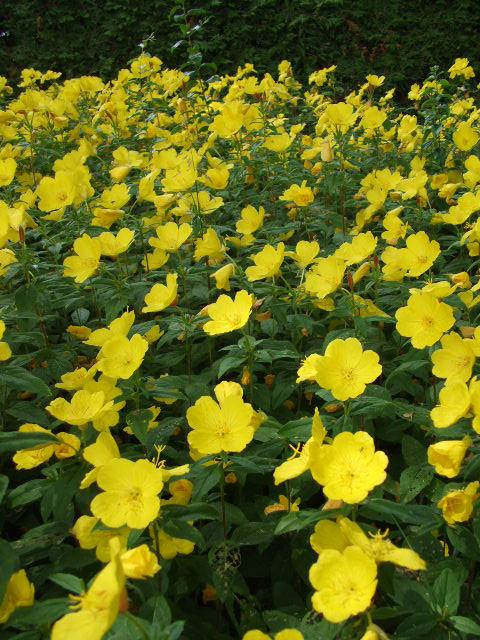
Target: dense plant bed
{"x": 239, "y": 339}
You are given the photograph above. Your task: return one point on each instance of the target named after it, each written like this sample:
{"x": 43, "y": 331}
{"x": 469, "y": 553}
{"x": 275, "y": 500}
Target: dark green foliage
{"x": 400, "y": 38}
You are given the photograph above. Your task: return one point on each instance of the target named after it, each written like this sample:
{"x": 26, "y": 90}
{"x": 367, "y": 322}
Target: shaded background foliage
{"x": 400, "y": 38}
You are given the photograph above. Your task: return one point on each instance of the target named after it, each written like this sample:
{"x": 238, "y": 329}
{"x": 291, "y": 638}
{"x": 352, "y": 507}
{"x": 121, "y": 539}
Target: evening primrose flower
{"x": 169, "y": 547}
{"x": 97, "y": 609}
{"x": 171, "y": 236}
{"x": 454, "y": 404}
{"x": 344, "y": 583}
{"x": 5, "y": 351}
{"x": 112, "y": 245}
{"x": 8, "y": 166}
{"x": 85, "y": 262}
{"x": 161, "y": 296}
{"x": 58, "y": 192}
{"x": 345, "y": 369}
{"x": 465, "y": 137}
{"x": 343, "y": 533}
{"x": 461, "y": 68}
{"x": 359, "y": 249}
{"x": 82, "y": 409}
{"x": 267, "y": 262}
{"x": 419, "y": 254}
{"x": 223, "y": 426}
{"x": 301, "y": 195}
{"x": 139, "y": 563}
{"x": 130, "y": 493}
{"x": 305, "y": 253}
{"x": 98, "y": 454}
{"x": 119, "y": 326}
{"x": 447, "y": 456}
{"x": 455, "y": 359}
{"x": 90, "y": 537}
{"x": 120, "y": 357}
{"x": 251, "y": 220}
{"x": 298, "y": 463}
{"x": 324, "y": 277}
{"x": 19, "y": 593}
{"x": 209, "y": 246}
{"x": 67, "y": 446}
{"x": 222, "y": 276}
{"x": 424, "y": 319}
{"x": 228, "y": 314}
{"x": 348, "y": 468}
{"x": 457, "y": 506}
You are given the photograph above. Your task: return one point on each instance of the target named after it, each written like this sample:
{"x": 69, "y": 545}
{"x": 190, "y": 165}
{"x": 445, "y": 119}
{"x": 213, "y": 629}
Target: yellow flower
{"x": 5, "y": 351}
{"x": 343, "y": 533}
{"x": 120, "y": 357}
{"x": 461, "y": 68}
{"x": 97, "y": 609}
{"x": 349, "y": 468}
{"x": 457, "y": 506}
{"x": 361, "y": 247}
{"x": 278, "y": 142}
{"x": 7, "y": 258}
{"x": 130, "y": 493}
{"x": 454, "y": 404}
{"x": 447, "y": 456}
{"x": 7, "y": 171}
{"x": 419, "y": 254}
{"x": 139, "y": 563}
{"x": 90, "y": 537}
{"x": 169, "y": 547}
{"x": 209, "y": 246}
{"x": 424, "y": 319}
{"x": 161, "y": 296}
{"x": 58, "y": 192}
{"x": 79, "y": 331}
{"x": 227, "y": 314}
{"x": 324, "y": 277}
{"x": 119, "y": 326}
{"x": 171, "y": 236}
{"x": 346, "y": 369}
{"x": 223, "y": 426}
{"x": 305, "y": 253}
{"x": 267, "y": 263}
{"x": 222, "y": 276}
{"x": 455, "y": 359}
{"x": 98, "y": 454}
{"x": 113, "y": 245}
{"x": 84, "y": 263}
{"x": 464, "y": 137}
{"x": 288, "y": 634}
{"x": 19, "y": 593}
{"x": 373, "y": 118}
{"x": 301, "y": 195}
{"x": 339, "y": 117}
{"x": 251, "y": 220}
{"x": 299, "y": 463}
{"x": 344, "y": 583}
{"x": 83, "y": 408}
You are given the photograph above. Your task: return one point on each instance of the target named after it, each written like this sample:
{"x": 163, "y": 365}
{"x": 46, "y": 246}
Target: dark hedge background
{"x": 401, "y": 38}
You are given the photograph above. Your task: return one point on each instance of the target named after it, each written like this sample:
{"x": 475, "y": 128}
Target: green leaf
{"x": 297, "y": 520}
{"x": 69, "y": 582}
{"x": 138, "y": 421}
{"x": 391, "y": 511}
{"x": 414, "y": 479}
{"x": 3, "y": 486}
{"x": 16, "y": 440}
{"x": 465, "y": 625}
{"x": 446, "y": 593}
{"x": 8, "y": 565}
{"x": 253, "y": 533}
{"x": 18, "y": 378}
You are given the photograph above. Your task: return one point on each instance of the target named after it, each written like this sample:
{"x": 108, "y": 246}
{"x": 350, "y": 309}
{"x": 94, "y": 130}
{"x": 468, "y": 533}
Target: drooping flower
{"x": 447, "y": 456}
{"x": 457, "y": 505}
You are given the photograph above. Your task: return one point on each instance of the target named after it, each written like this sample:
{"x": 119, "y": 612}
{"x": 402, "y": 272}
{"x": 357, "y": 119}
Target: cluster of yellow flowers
{"x": 278, "y": 257}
